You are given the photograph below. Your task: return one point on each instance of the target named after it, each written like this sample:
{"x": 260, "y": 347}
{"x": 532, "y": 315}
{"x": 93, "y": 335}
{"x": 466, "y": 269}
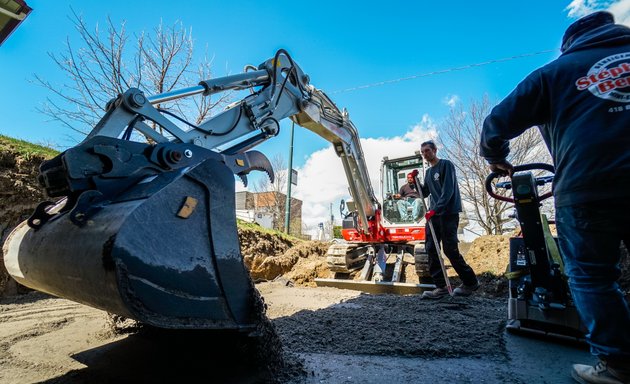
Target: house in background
{"x": 268, "y": 210}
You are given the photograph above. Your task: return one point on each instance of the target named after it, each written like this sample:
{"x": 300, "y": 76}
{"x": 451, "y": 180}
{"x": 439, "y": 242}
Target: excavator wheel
{"x": 165, "y": 252}
{"x": 345, "y": 257}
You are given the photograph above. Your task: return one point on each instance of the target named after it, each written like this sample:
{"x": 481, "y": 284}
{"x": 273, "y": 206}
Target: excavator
{"x": 146, "y": 229}
{"x": 401, "y": 236}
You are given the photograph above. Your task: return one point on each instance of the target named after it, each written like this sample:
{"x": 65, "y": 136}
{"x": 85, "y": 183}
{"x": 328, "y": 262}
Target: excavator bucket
{"x": 165, "y": 252}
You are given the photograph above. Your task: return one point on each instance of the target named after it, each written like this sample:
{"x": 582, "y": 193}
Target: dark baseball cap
{"x": 586, "y": 23}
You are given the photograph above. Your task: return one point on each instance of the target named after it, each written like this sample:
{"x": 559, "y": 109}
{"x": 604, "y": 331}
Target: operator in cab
{"x": 409, "y": 198}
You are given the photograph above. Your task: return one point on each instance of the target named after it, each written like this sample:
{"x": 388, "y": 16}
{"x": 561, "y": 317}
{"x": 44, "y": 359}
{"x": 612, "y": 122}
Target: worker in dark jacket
{"x": 581, "y": 104}
{"x": 445, "y": 204}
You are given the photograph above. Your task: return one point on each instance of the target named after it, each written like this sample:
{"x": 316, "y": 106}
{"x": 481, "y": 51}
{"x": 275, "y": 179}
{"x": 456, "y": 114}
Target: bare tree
{"x": 460, "y": 133}
{"x": 103, "y": 64}
{"x": 272, "y": 196}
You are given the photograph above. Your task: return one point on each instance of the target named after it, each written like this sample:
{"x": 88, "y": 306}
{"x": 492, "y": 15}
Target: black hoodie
{"x": 581, "y": 104}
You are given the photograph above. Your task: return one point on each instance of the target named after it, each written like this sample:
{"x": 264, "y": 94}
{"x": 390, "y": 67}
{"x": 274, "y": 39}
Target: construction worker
{"x": 445, "y": 204}
{"x": 409, "y": 197}
{"x": 581, "y": 104}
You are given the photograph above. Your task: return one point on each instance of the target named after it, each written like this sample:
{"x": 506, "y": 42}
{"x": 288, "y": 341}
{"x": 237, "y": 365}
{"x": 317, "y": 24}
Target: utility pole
{"x": 332, "y": 223}
{"x": 287, "y": 206}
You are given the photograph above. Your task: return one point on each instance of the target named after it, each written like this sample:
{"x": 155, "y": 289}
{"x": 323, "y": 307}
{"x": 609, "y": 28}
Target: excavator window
{"x": 394, "y": 174}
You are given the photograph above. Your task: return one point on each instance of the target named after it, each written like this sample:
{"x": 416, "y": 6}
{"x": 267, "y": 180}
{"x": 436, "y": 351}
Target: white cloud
{"x": 239, "y": 187}
{"x": 451, "y": 100}
{"x": 322, "y": 181}
{"x": 619, "y": 8}
{"x": 579, "y": 8}
{"x": 419, "y": 131}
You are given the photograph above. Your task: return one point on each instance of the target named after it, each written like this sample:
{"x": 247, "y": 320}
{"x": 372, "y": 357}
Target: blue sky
{"x": 339, "y": 44}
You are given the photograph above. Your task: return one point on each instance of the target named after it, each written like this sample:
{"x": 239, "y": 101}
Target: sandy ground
{"x": 328, "y": 335}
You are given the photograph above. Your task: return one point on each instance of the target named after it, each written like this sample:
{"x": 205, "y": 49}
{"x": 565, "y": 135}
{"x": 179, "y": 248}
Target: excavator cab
{"x": 405, "y": 211}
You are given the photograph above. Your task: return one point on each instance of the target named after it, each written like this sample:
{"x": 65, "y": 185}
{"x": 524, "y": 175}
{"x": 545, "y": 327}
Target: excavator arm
{"x": 147, "y": 230}
{"x": 285, "y": 92}
{"x": 321, "y": 116}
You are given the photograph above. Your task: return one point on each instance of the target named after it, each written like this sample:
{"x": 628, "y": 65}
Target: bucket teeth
{"x": 243, "y": 163}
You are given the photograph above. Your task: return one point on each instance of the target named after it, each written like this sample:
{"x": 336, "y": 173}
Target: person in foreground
{"x": 581, "y": 104}
{"x": 440, "y": 182}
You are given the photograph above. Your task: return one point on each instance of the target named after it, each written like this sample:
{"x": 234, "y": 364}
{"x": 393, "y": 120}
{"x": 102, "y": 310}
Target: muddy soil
{"x": 328, "y": 336}
{"x": 388, "y": 325}
{"x": 45, "y": 339}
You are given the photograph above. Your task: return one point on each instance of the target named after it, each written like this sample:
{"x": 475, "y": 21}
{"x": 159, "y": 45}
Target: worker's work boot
{"x": 465, "y": 290}
{"x": 437, "y": 293}
{"x": 601, "y": 373}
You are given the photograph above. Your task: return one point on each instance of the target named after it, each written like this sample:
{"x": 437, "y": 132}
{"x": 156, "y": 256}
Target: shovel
{"x": 435, "y": 241}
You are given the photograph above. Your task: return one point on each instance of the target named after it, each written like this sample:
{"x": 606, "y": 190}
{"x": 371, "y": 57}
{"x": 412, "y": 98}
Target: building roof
{"x": 12, "y": 13}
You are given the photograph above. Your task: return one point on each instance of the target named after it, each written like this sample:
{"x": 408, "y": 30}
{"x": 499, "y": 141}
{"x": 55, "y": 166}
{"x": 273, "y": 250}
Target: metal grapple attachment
{"x": 145, "y": 231}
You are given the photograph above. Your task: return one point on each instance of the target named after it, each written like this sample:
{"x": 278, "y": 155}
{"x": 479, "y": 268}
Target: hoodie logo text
{"x": 608, "y": 78}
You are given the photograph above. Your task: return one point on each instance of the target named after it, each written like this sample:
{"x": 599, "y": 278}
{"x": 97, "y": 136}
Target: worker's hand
{"x": 429, "y": 215}
{"x": 396, "y": 196}
{"x": 503, "y": 168}
{"x": 415, "y": 173}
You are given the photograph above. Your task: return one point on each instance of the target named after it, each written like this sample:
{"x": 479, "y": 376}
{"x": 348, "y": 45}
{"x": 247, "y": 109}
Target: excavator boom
{"x": 147, "y": 229}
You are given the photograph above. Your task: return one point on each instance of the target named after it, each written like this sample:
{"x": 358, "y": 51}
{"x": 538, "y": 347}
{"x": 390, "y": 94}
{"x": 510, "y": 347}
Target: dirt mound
{"x": 311, "y": 263}
{"x": 489, "y": 254}
{"x": 257, "y": 246}
{"x": 268, "y": 256}
{"x": 19, "y": 195}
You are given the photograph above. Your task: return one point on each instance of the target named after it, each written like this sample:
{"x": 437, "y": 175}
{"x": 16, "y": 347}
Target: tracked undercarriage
{"x": 378, "y": 268}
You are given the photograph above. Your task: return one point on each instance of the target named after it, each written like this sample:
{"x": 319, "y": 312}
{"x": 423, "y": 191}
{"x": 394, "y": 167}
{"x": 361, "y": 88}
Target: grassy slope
{"x": 24, "y": 148}
{"x": 255, "y": 227}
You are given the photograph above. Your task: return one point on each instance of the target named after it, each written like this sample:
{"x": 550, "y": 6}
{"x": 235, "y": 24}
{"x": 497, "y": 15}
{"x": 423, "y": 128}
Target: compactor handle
{"x": 518, "y": 168}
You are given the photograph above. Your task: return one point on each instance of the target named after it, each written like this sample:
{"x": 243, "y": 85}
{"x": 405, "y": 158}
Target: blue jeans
{"x": 416, "y": 206}
{"x": 590, "y": 235}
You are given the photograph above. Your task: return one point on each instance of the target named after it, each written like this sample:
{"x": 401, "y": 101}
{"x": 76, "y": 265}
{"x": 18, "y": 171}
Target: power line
{"x": 442, "y": 71}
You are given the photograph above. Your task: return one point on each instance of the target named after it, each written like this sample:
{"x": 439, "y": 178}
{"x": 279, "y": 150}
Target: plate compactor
{"x": 539, "y": 297}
